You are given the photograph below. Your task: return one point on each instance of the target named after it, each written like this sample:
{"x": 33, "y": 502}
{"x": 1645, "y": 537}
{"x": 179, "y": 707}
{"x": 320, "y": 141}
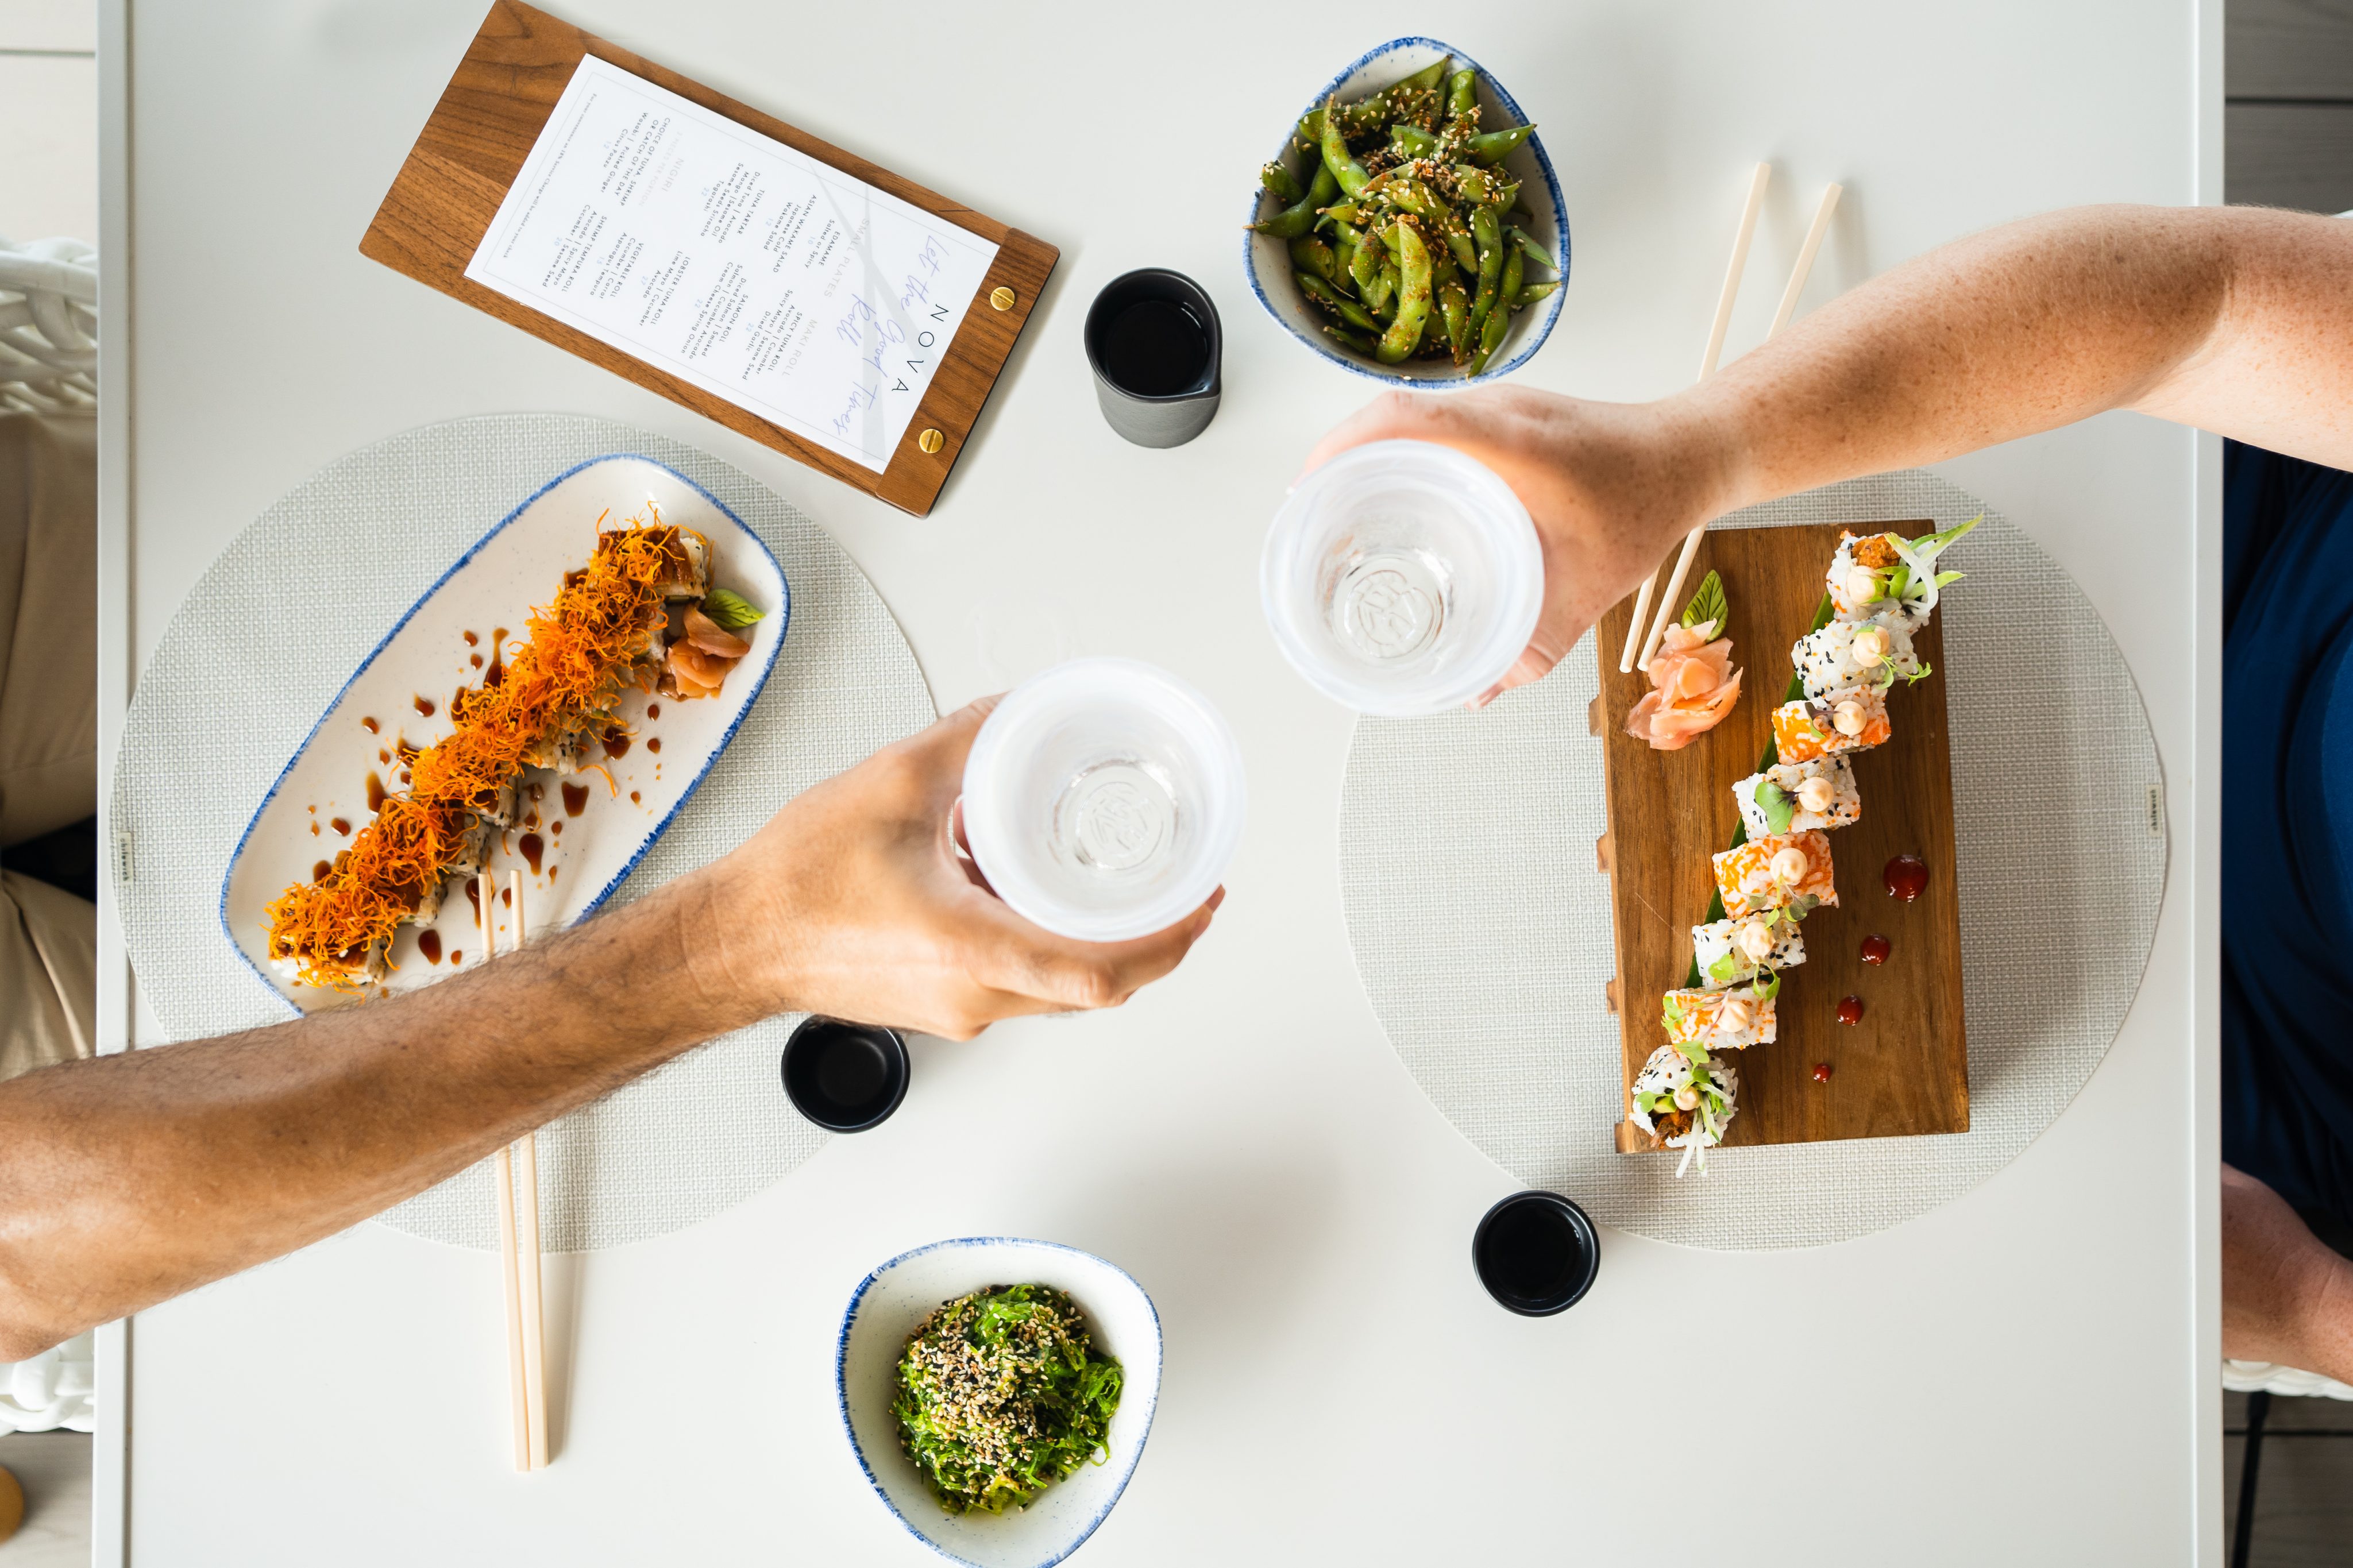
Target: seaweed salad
{"x": 1002, "y": 1394}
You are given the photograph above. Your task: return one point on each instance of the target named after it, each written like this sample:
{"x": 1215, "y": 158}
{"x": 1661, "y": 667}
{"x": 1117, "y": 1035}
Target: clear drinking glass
{"x": 1104, "y": 798}
{"x": 1403, "y": 578}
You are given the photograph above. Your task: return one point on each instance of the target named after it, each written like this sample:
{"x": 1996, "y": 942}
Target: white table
{"x": 2025, "y": 1375}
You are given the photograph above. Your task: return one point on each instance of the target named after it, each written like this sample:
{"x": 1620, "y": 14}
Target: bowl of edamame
{"x": 1410, "y": 227}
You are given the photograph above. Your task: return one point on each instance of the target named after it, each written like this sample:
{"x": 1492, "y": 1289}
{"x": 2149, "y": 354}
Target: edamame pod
{"x": 1490, "y": 147}
{"x": 1362, "y": 342}
{"x": 1535, "y": 252}
{"x": 1412, "y": 140}
{"x": 1309, "y": 254}
{"x": 1404, "y": 334}
{"x": 1533, "y": 292}
{"x": 1463, "y": 92}
{"x": 1336, "y": 159}
{"x": 1279, "y": 180}
{"x": 1298, "y": 219}
{"x": 1339, "y": 304}
{"x": 1488, "y": 235}
{"x": 1454, "y": 309}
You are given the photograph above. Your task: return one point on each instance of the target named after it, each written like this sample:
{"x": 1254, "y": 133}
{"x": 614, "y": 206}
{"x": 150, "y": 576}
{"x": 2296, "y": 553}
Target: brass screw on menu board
{"x": 931, "y": 440}
{"x": 1001, "y": 297}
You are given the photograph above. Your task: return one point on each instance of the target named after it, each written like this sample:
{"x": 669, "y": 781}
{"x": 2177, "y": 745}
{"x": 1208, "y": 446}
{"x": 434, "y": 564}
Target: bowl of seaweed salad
{"x": 997, "y": 1392}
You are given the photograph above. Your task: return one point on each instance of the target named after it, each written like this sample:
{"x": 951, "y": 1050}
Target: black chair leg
{"x": 2243, "y": 1529}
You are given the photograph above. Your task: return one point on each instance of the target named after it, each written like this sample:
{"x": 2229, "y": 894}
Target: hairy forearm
{"x": 130, "y": 1178}
{"x": 2236, "y": 319}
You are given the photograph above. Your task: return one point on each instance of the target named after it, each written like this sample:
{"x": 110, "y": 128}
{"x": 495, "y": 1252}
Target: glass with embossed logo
{"x": 1403, "y": 578}
{"x": 1104, "y": 798}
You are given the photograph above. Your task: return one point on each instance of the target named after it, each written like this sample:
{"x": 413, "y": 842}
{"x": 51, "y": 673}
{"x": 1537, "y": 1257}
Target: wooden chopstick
{"x": 534, "y": 1357}
{"x": 1789, "y": 308}
{"x": 502, "y": 1173}
{"x": 1725, "y": 299}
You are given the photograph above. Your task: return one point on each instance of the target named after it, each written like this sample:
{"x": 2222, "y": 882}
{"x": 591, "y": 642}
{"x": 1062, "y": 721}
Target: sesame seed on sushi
{"x": 1781, "y": 870}
{"x": 1684, "y": 1102}
{"x": 1887, "y": 573}
{"x": 1743, "y": 952}
{"x": 1791, "y": 798}
{"x": 1876, "y": 651}
{"x": 1852, "y": 719}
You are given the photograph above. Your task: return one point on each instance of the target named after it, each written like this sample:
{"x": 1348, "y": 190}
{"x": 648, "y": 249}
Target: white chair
{"x": 50, "y": 1391}
{"x": 48, "y": 326}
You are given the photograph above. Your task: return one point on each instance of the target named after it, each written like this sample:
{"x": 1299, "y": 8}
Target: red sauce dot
{"x": 318, "y": 872}
{"x": 1876, "y": 949}
{"x": 1849, "y": 1010}
{"x": 635, "y": 798}
{"x": 476, "y": 660}
{"x": 575, "y": 799}
{"x": 1821, "y": 1072}
{"x": 654, "y": 744}
{"x": 533, "y": 846}
{"x": 472, "y": 639}
{"x": 653, "y": 710}
{"x": 424, "y": 705}
{"x": 1906, "y": 877}
{"x": 370, "y": 725}
{"x": 457, "y": 956}
{"x": 340, "y": 826}
{"x": 429, "y": 943}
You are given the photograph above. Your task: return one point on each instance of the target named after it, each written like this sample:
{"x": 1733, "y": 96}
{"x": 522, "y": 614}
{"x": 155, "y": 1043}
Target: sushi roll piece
{"x": 1872, "y": 652}
{"x": 563, "y": 751}
{"x": 1710, "y": 1021}
{"x": 1685, "y": 1102}
{"x": 1888, "y": 574}
{"x": 1780, "y": 872}
{"x": 1746, "y": 951}
{"x": 1792, "y": 797}
{"x": 1852, "y": 719}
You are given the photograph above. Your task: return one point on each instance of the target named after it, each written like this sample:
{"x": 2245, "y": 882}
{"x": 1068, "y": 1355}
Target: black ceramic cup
{"x": 846, "y": 1078}
{"x": 1537, "y": 1253}
{"x": 1153, "y": 343}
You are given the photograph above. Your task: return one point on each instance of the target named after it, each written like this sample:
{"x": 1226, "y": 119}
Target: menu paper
{"x": 734, "y": 262}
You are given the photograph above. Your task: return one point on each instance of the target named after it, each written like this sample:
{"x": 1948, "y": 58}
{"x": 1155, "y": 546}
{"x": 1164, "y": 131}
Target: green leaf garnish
{"x": 1767, "y": 990}
{"x": 1946, "y": 579}
{"x": 1708, "y": 604}
{"x": 1647, "y": 1100}
{"x": 1932, "y": 542}
{"x": 1922, "y": 673}
{"x": 1725, "y": 968}
{"x": 1670, "y": 1012}
{"x": 1777, "y": 806}
{"x": 729, "y": 612}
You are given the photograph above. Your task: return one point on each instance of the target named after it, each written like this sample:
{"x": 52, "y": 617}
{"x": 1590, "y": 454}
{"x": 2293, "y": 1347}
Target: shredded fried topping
{"x": 601, "y": 635}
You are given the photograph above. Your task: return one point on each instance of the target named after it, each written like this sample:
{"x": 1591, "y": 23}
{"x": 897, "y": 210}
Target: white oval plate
{"x": 424, "y": 656}
{"x": 891, "y": 1303}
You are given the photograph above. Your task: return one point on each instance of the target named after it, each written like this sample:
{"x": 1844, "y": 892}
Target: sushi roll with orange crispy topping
{"x": 1781, "y": 870}
{"x": 1851, "y": 720}
{"x": 1720, "y": 1020}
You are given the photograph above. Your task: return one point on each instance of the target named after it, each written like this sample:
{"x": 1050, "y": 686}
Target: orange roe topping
{"x": 602, "y": 634}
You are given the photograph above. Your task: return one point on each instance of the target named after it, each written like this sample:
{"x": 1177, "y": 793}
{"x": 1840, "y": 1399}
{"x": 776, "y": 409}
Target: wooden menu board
{"x": 489, "y": 118}
{"x": 1904, "y": 1068}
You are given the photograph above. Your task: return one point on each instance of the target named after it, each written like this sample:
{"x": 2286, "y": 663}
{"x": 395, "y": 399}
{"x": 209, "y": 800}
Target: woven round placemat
{"x": 269, "y": 634}
{"x": 1482, "y": 928}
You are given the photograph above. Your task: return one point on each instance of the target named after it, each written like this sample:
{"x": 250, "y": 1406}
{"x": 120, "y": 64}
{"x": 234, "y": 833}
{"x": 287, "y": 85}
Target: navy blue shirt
{"x": 2287, "y": 826}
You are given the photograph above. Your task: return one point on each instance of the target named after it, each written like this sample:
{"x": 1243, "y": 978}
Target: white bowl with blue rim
{"x": 1267, "y": 260}
{"x": 891, "y": 1303}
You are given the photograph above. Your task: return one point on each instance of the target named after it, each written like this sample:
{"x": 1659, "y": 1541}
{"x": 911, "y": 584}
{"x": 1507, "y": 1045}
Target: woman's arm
{"x": 128, "y": 1178}
{"x": 2239, "y": 320}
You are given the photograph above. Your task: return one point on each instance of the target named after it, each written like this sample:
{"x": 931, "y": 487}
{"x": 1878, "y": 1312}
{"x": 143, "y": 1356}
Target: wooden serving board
{"x": 1904, "y": 1068}
{"x": 473, "y": 146}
